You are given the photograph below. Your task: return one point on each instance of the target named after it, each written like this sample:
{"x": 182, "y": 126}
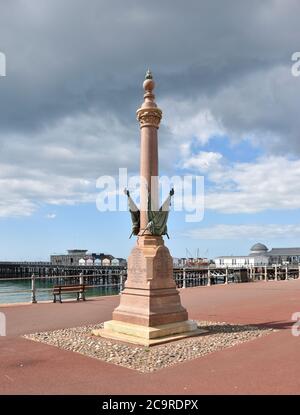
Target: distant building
{"x": 83, "y": 258}
{"x": 175, "y": 262}
{"x": 71, "y": 258}
{"x": 284, "y": 256}
{"x": 261, "y": 256}
{"x": 189, "y": 262}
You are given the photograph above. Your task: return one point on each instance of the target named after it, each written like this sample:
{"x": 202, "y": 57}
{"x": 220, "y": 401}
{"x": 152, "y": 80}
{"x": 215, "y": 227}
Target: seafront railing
{"x": 40, "y": 288}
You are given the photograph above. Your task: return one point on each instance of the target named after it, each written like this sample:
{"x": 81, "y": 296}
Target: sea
{"x": 19, "y": 291}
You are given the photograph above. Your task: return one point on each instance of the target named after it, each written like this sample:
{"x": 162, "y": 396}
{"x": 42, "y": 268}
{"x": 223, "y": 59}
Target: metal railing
{"x": 193, "y": 277}
{"x": 113, "y": 281}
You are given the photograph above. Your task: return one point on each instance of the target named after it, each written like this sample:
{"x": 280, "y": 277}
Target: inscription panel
{"x": 163, "y": 265}
{"x": 136, "y": 267}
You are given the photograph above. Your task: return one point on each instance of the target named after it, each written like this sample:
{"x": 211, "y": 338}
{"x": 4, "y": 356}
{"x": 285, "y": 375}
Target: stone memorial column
{"x": 150, "y": 309}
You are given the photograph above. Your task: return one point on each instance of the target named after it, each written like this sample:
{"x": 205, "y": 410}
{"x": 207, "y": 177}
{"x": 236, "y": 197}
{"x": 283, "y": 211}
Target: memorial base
{"x": 148, "y": 336}
{"x": 150, "y": 310}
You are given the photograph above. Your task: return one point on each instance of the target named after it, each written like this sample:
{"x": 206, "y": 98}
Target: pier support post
{"x": 299, "y": 271}
{"x": 286, "y": 273}
{"x": 226, "y": 275}
{"x": 33, "y": 290}
{"x": 276, "y": 273}
{"x": 208, "y": 278}
{"x": 120, "y": 282}
{"x": 81, "y": 281}
{"x": 266, "y": 274}
{"x": 184, "y": 278}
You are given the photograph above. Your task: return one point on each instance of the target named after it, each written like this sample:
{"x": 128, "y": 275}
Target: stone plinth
{"x": 150, "y": 296}
{"x": 148, "y": 336}
{"x": 150, "y": 309}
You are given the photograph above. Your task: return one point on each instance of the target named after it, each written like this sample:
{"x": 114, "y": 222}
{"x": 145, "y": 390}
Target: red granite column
{"x": 150, "y": 309}
{"x": 149, "y": 117}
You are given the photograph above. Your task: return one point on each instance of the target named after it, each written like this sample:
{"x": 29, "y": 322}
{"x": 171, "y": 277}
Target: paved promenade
{"x": 269, "y": 365}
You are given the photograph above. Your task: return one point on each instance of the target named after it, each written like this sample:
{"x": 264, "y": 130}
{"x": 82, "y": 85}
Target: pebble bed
{"x": 144, "y": 359}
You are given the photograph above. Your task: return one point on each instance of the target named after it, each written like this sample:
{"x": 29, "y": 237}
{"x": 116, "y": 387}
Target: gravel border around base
{"x": 220, "y": 336}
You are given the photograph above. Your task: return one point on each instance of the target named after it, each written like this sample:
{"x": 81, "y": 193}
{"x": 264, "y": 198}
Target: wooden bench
{"x": 58, "y": 290}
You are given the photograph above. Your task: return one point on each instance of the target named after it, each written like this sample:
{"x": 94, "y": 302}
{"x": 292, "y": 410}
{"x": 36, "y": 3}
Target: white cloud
{"x": 60, "y": 164}
{"x": 267, "y": 183}
{"x": 260, "y": 106}
{"x": 252, "y": 231}
{"x": 51, "y": 216}
{"x": 204, "y": 160}
{"x": 249, "y": 187}
{"x": 186, "y": 119}
{"x": 15, "y": 206}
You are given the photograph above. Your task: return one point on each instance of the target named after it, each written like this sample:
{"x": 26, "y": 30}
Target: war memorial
{"x": 150, "y": 310}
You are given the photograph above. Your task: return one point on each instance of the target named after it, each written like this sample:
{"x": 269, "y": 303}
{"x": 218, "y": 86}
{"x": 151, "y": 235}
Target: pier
{"x": 201, "y": 274}
{"x": 46, "y": 269}
{"x": 34, "y": 282}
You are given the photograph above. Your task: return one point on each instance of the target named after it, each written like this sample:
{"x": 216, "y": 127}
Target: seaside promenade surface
{"x": 268, "y": 365}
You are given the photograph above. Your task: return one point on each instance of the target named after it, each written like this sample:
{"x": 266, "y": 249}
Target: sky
{"x": 67, "y": 117}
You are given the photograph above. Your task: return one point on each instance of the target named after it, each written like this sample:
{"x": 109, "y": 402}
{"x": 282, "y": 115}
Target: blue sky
{"x": 54, "y": 229}
{"x": 67, "y": 117}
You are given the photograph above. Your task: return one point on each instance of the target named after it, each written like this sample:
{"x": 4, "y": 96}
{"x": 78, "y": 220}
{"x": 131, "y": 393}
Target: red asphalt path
{"x": 268, "y": 365}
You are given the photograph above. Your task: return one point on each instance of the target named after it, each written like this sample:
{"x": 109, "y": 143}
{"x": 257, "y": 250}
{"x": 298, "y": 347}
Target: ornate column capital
{"x": 149, "y": 117}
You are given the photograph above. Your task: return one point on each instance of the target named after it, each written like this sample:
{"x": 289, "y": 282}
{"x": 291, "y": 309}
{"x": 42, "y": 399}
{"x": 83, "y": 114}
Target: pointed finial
{"x": 149, "y": 83}
{"x": 148, "y": 74}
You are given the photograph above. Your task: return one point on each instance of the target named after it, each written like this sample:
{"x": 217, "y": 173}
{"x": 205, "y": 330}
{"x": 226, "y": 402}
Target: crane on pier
{"x": 192, "y": 261}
